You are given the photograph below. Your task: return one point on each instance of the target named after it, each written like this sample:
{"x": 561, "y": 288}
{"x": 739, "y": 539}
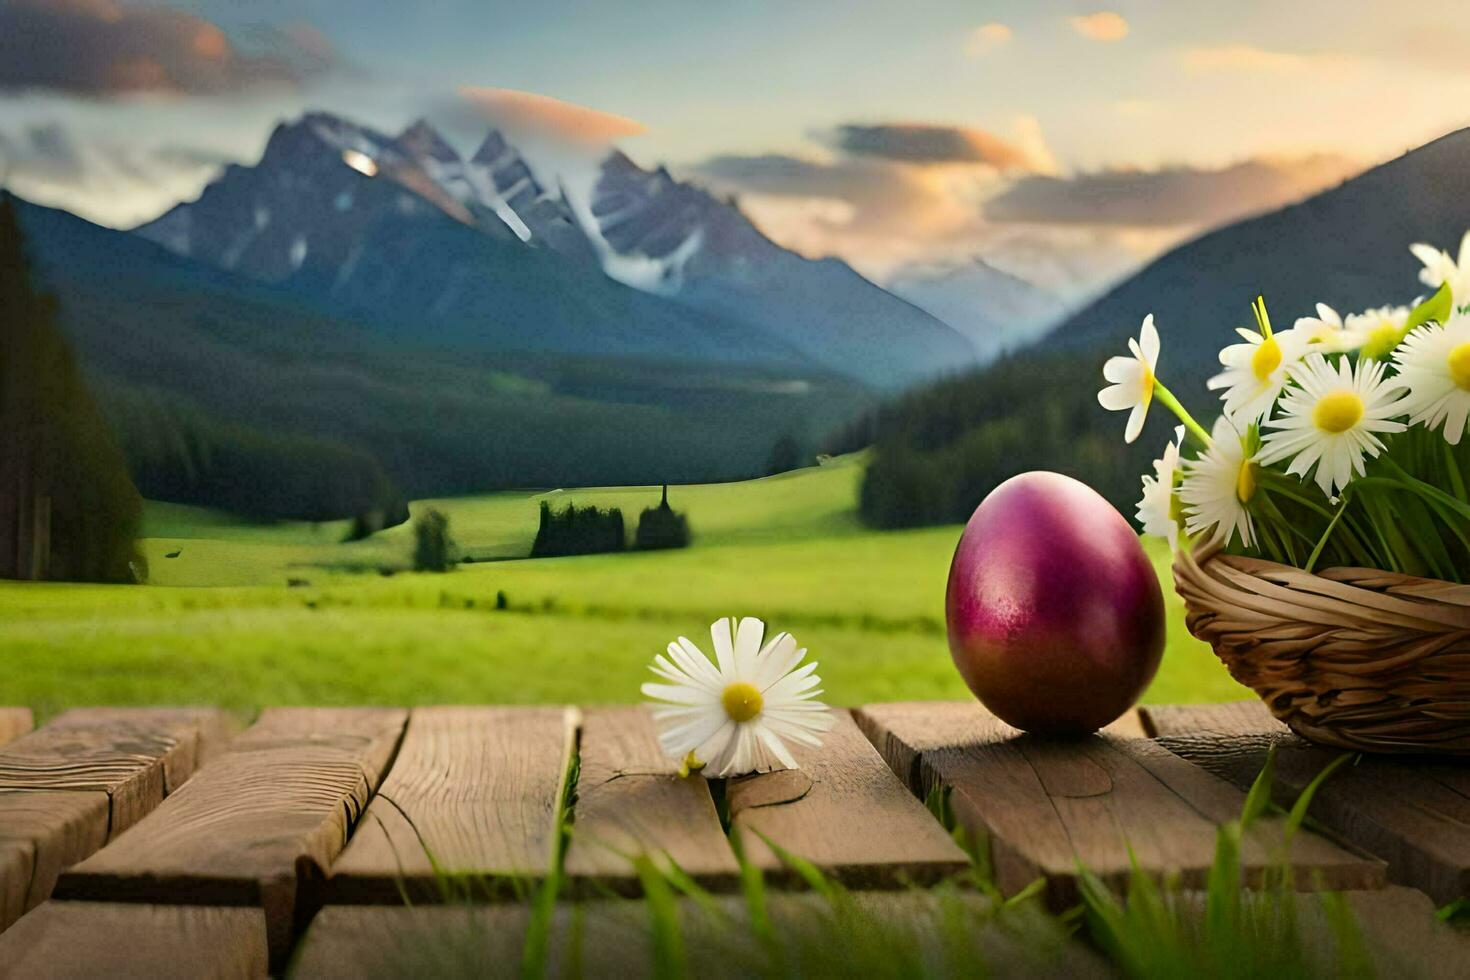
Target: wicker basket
{"x": 1350, "y": 657}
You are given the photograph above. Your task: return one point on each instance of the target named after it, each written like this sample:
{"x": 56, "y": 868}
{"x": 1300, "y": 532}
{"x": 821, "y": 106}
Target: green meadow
{"x": 245, "y": 615}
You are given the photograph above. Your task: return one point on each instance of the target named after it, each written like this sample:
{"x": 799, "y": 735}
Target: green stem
{"x": 1322, "y": 542}
{"x": 1457, "y": 480}
{"x": 1167, "y": 399}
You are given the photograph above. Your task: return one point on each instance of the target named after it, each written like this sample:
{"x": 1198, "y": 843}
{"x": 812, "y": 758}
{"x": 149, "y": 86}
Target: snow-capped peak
{"x": 423, "y": 142}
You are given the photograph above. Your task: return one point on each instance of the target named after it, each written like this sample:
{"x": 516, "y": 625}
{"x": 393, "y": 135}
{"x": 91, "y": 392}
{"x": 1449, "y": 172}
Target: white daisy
{"x": 1434, "y": 364}
{"x": 1380, "y": 330}
{"x": 1330, "y": 419}
{"x": 1218, "y": 485}
{"x": 734, "y": 716}
{"x": 1255, "y": 372}
{"x": 1441, "y": 267}
{"x": 1157, "y": 514}
{"x": 1325, "y": 331}
{"x": 1132, "y": 379}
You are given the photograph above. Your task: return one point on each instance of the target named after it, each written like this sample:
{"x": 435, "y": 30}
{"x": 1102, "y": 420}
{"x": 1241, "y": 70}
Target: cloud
{"x": 1104, "y": 25}
{"x": 987, "y": 37}
{"x": 107, "y": 180}
{"x": 1245, "y": 58}
{"x": 870, "y": 185}
{"x": 882, "y": 213}
{"x": 921, "y": 143}
{"x": 508, "y": 107}
{"x": 102, "y": 48}
{"x": 1176, "y": 196}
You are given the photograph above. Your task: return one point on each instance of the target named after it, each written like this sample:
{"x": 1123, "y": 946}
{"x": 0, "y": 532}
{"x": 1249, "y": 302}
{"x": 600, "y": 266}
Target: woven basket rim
{"x": 1358, "y": 658}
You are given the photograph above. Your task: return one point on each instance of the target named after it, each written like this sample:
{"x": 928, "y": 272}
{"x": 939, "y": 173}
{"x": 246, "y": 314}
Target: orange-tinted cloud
{"x": 1105, "y": 25}
{"x": 503, "y": 106}
{"x": 881, "y": 214}
{"x": 923, "y": 143}
{"x": 987, "y": 37}
{"x": 100, "y": 47}
{"x": 1248, "y": 58}
{"x": 1173, "y": 196}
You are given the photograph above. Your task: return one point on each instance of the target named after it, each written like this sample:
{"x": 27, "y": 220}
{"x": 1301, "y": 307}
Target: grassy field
{"x": 247, "y": 615}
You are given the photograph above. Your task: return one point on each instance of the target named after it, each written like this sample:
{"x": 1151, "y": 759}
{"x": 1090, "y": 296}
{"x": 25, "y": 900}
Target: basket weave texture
{"x": 1349, "y": 657}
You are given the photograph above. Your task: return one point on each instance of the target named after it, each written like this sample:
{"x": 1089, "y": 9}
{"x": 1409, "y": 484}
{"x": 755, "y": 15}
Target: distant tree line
{"x": 939, "y": 450}
{"x": 588, "y": 530}
{"x": 67, "y": 508}
{"x": 577, "y": 530}
{"x": 184, "y": 457}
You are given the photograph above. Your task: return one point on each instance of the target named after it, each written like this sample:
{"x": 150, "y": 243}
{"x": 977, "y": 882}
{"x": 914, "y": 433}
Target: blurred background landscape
{"x": 279, "y": 281}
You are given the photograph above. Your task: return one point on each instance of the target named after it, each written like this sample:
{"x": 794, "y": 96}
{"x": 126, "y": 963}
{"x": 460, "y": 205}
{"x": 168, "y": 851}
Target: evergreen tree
{"x": 661, "y": 527}
{"x": 68, "y": 510}
{"x": 433, "y": 548}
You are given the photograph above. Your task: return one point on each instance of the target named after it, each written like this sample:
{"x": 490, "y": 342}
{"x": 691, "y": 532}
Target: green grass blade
{"x": 663, "y": 915}
{"x": 1298, "y": 811}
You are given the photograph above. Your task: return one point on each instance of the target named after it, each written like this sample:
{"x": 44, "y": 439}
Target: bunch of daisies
{"x": 1340, "y": 441}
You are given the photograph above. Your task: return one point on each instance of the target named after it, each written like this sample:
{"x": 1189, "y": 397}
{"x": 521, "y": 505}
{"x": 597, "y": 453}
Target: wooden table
{"x": 159, "y": 842}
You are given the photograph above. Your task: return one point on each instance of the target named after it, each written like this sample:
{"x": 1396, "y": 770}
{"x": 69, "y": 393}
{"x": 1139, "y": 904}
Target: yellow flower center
{"x": 1338, "y": 411}
{"x": 1382, "y": 339}
{"x": 1460, "y": 366}
{"x": 1266, "y": 359}
{"x": 1245, "y": 482}
{"x": 742, "y": 701}
{"x": 1146, "y": 385}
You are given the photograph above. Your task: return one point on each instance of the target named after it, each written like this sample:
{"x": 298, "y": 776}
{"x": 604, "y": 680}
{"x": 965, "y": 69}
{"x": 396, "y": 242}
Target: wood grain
{"x": 475, "y": 794}
{"x": 212, "y": 730}
{"x": 845, "y": 812}
{"x": 1044, "y": 805}
{"x": 14, "y": 722}
{"x": 41, "y": 833}
{"x": 1397, "y": 927}
{"x": 1404, "y": 936}
{"x": 257, "y": 826}
{"x": 631, "y": 801}
{"x": 1414, "y": 814}
{"x": 134, "y": 755}
{"x": 85, "y": 940}
{"x": 911, "y": 933}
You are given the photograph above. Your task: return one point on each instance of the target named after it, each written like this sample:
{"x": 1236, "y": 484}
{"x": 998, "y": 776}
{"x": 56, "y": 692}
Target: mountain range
{"x": 403, "y": 234}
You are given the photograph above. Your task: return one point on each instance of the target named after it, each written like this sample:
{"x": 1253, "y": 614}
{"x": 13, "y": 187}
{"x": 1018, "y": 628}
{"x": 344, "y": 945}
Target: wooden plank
{"x": 14, "y": 722}
{"x": 42, "y": 832}
{"x": 212, "y": 730}
{"x": 1396, "y": 928}
{"x": 476, "y": 794}
{"x": 885, "y": 933}
{"x": 1044, "y": 805}
{"x": 84, "y": 940}
{"x": 1405, "y": 938}
{"x": 1414, "y": 814}
{"x": 845, "y": 812}
{"x": 87, "y": 775}
{"x": 258, "y": 826}
{"x": 631, "y": 801}
{"x": 134, "y": 755}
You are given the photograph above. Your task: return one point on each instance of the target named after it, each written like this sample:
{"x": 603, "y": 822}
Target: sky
{"x": 1033, "y": 134}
